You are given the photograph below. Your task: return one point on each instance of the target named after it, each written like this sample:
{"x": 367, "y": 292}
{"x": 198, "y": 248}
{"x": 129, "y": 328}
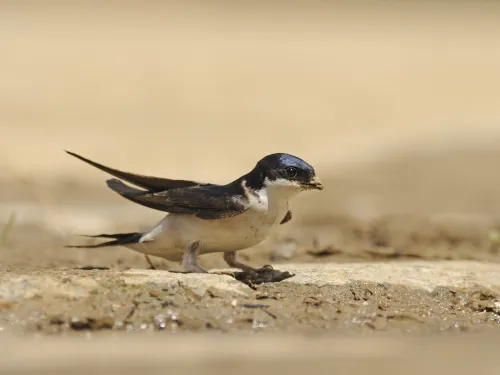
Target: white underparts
{"x": 268, "y": 206}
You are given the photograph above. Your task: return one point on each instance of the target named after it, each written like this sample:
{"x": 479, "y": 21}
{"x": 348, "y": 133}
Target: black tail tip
{"x": 81, "y": 246}
{"x": 70, "y": 153}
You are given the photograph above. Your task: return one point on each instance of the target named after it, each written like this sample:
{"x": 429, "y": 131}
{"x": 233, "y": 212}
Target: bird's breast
{"x": 239, "y": 232}
{"x": 235, "y": 233}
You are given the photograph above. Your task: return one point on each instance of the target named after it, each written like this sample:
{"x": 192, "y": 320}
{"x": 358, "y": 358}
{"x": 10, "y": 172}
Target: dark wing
{"x": 152, "y": 184}
{"x": 205, "y": 202}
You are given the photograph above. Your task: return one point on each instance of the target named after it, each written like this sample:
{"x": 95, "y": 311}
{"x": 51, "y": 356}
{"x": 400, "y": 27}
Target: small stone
{"x": 80, "y": 324}
{"x": 57, "y": 320}
{"x": 159, "y": 322}
{"x": 104, "y": 322}
{"x": 155, "y": 293}
{"x": 7, "y": 305}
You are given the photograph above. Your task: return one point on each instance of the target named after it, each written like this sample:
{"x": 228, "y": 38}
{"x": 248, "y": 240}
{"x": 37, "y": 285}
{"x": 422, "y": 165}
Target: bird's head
{"x": 287, "y": 171}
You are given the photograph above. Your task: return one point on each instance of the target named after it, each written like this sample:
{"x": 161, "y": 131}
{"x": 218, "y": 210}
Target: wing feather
{"x": 205, "y": 202}
{"x": 152, "y": 184}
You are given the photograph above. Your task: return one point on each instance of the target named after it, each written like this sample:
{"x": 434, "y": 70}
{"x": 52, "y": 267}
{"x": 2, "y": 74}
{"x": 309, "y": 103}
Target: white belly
{"x": 231, "y": 234}
{"x": 239, "y": 232}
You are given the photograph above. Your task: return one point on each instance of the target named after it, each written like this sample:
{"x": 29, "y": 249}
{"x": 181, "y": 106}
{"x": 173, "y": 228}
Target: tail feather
{"x": 119, "y": 239}
{"x": 115, "y": 236}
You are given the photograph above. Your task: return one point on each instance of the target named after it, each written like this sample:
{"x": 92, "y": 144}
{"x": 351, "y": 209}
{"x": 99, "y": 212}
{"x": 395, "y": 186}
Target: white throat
{"x": 273, "y": 197}
{"x": 281, "y": 190}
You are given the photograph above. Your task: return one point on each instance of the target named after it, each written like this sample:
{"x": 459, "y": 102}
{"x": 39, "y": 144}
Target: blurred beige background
{"x": 397, "y": 105}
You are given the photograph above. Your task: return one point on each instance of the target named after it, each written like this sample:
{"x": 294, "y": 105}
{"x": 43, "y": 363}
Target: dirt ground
{"x": 396, "y": 107}
{"x": 358, "y": 307}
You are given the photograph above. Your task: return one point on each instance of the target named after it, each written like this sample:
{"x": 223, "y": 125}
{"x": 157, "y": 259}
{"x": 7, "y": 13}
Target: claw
{"x": 266, "y": 267}
{"x": 225, "y": 273}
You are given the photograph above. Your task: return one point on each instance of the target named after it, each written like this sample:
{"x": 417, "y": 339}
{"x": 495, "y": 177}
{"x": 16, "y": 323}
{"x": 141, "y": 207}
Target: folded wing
{"x": 205, "y": 202}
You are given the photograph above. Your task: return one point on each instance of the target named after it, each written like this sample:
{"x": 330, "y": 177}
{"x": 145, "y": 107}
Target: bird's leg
{"x": 230, "y": 258}
{"x": 252, "y": 276}
{"x": 189, "y": 258}
{"x": 150, "y": 262}
{"x": 232, "y": 261}
{"x": 148, "y": 259}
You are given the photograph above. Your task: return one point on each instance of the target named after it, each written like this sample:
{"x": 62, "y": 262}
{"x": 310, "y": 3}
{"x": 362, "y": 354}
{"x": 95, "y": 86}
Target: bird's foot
{"x": 194, "y": 268}
{"x": 265, "y": 274}
{"x": 252, "y": 276}
{"x": 224, "y": 273}
{"x": 189, "y": 259}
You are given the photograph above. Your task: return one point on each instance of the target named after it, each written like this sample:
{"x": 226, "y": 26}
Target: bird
{"x": 207, "y": 218}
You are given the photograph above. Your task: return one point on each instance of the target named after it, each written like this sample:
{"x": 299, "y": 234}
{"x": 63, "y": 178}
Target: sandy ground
{"x": 318, "y": 300}
{"x": 395, "y": 106}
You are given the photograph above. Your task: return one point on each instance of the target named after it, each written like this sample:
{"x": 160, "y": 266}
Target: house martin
{"x": 207, "y": 218}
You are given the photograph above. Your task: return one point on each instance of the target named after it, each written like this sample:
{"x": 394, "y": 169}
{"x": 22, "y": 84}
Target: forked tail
{"x": 118, "y": 239}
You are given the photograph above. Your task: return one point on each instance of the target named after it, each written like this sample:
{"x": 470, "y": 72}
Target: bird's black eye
{"x": 291, "y": 172}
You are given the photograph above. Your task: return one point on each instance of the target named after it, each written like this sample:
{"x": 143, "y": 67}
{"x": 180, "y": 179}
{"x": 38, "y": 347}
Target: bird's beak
{"x": 315, "y": 183}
